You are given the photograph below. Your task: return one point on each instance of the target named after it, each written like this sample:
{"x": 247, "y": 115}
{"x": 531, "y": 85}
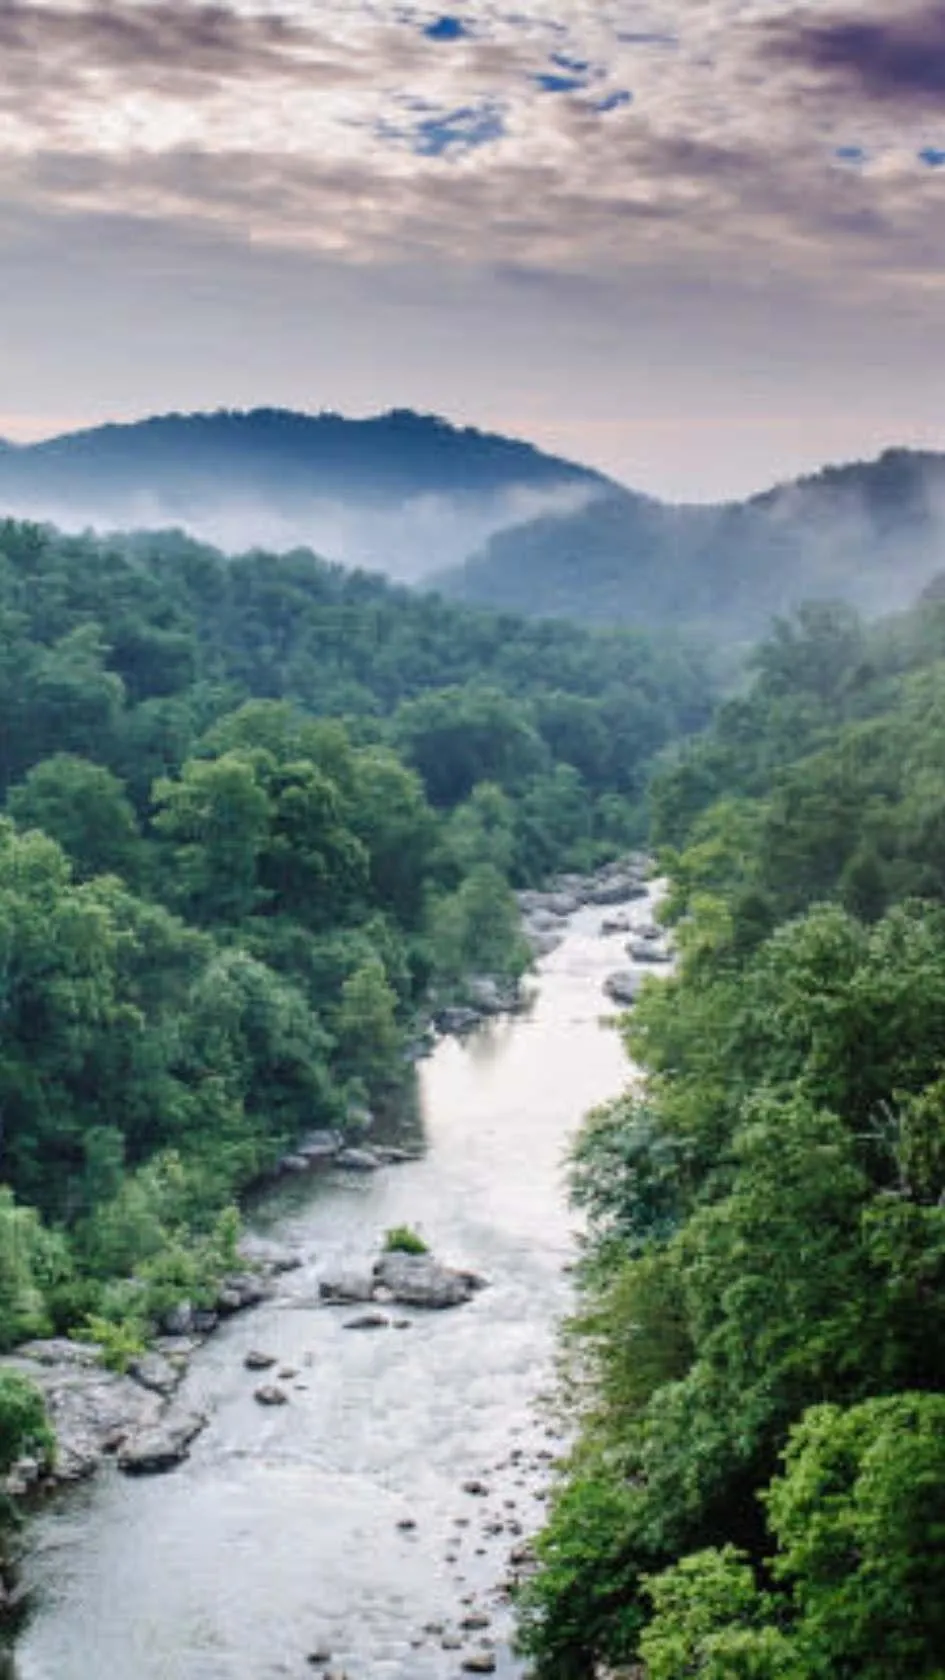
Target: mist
{"x": 408, "y": 540}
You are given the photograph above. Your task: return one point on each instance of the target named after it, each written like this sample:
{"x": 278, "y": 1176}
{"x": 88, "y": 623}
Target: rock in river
{"x": 257, "y": 1361}
{"x": 347, "y": 1287}
{"x": 648, "y": 951}
{"x": 623, "y": 988}
{"x": 417, "y": 1280}
{"x": 619, "y": 889}
{"x": 162, "y": 1446}
{"x": 357, "y": 1160}
{"x": 270, "y": 1394}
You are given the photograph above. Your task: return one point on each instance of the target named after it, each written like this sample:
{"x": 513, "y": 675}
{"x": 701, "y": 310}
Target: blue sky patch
{"x": 575, "y": 66}
{"x": 447, "y": 29}
{"x": 559, "y": 84}
{"x": 462, "y": 130}
{"x": 613, "y": 101}
{"x": 933, "y": 157}
{"x": 850, "y": 154}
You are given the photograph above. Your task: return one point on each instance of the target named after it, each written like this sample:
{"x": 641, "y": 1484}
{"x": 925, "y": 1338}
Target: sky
{"x": 698, "y": 243}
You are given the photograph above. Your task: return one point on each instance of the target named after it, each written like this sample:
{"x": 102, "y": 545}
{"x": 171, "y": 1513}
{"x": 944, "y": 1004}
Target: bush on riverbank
{"x": 400, "y": 1239}
{"x": 24, "y": 1427}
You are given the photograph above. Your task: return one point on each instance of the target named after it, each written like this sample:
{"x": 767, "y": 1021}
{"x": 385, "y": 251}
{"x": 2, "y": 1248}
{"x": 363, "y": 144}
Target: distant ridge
{"x": 493, "y": 520}
{"x": 280, "y": 478}
{"x": 870, "y": 533}
{"x": 399, "y": 451}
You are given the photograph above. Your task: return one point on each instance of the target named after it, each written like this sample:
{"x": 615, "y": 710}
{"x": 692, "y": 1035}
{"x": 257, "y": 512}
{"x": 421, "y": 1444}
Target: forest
{"x": 757, "y": 1354}
{"x": 259, "y": 816}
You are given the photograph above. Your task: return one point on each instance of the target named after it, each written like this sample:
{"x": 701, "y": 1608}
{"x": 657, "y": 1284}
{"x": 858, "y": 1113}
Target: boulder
{"x": 269, "y": 1258}
{"x": 575, "y": 885}
{"x": 457, "y": 1020}
{"x": 531, "y": 902}
{"x": 623, "y": 988}
{"x": 257, "y": 1361}
{"x": 647, "y": 951}
{"x": 347, "y": 1287}
{"x": 163, "y": 1446}
{"x": 479, "y": 1662}
{"x": 270, "y": 1394}
{"x": 357, "y": 1160}
{"x": 293, "y": 1164}
{"x": 562, "y": 903}
{"x": 647, "y": 930}
{"x": 417, "y": 1280}
{"x": 543, "y": 921}
{"x": 616, "y": 924}
{"x": 59, "y": 1350}
{"x": 179, "y": 1321}
{"x": 240, "y": 1290}
{"x": 320, "y": 1146}
{"x": 619, "y": 889}
{"x": 368, "y": 1321}
{"x": 155, "y": 1372}
{"x": 91, "y": 1410}
{"x": 486, "y": 995}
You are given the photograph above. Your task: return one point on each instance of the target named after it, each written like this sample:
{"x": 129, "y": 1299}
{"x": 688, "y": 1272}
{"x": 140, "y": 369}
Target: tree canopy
{"x": 758, "y": 1486}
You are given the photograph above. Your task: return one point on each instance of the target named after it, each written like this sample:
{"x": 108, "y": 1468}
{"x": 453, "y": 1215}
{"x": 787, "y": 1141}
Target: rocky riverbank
{"x": 545, "y": 914}
{"x": 132, "y": 1415}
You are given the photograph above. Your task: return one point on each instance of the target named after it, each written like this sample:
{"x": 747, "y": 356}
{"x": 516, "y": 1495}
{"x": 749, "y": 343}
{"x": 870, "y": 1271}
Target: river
{"x": 279, "y": 1535}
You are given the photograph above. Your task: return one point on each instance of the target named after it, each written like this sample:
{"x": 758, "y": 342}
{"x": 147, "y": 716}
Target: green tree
{"x": 369, "y": 1040}
{"x": 216, "y": 819}
{"x": 859, "y": 1515}
{"x": 82, "y": 806}
{"x": 24, "y": 1426}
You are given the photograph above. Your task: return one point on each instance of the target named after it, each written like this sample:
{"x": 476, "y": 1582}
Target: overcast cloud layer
{"x": 699, "y": 242}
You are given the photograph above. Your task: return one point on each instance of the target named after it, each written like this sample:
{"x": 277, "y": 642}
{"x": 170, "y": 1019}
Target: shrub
{"x": 400, "y": 1239}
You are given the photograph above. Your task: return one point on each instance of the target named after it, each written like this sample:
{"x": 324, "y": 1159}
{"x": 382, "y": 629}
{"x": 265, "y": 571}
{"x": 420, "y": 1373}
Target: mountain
{"x": 402, "y": 492}
{"x": 871, "y": 533}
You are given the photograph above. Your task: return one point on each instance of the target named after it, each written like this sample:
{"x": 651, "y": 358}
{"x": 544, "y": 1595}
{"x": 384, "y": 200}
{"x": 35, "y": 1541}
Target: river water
{"x": 279, "y": 1535}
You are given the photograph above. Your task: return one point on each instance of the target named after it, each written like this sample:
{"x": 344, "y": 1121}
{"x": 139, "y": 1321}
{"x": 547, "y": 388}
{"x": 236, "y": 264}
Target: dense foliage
{"x": 758, "y": 1362}
{"x": 258, "y": 814}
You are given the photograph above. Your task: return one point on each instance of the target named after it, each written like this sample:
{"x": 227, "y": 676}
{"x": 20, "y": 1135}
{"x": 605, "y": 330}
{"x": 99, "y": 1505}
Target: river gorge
{"x": 335, "y": 1532}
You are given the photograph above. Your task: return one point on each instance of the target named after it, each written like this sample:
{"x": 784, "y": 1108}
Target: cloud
{"x": 504, "y": 139}
{"x": 894, "y": 56}
{"x": 146, "y": 43}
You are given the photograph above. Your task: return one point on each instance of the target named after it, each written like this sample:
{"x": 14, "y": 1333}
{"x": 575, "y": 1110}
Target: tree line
{"x": 757, "y": 1360}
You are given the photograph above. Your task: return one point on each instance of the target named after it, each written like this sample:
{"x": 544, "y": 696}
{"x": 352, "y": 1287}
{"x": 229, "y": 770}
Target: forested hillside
{"x": 869, "y": 533}
{"x": 758, "y": 1358}
{"x": 258, "y": 814}
{"x": 401, "y": 491}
